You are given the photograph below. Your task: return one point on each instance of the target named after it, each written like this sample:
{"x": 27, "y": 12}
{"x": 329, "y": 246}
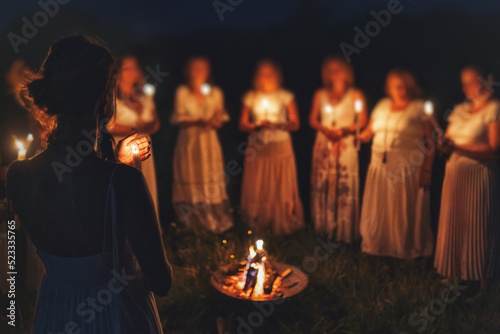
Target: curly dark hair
{"x": 75, "y": 86}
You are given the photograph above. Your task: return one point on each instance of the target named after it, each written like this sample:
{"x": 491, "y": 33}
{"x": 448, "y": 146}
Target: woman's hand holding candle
{"x": 124, "y": 152}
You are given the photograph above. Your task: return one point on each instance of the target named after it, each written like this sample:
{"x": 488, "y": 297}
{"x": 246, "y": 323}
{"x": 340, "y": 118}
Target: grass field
{"x": 348, "y": 292}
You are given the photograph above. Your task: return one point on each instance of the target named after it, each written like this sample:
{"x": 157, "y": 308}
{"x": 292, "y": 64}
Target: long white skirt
{"x": 395, "y": 217}
{"x": 199, "y": 188}
{"x": 468, "y": 242}
{"x": 335, "y": 189}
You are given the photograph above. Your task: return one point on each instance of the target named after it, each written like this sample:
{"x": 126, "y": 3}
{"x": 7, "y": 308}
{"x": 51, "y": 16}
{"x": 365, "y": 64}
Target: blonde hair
{"x": 345, "y": 65}
{"x": 412, "y": 88}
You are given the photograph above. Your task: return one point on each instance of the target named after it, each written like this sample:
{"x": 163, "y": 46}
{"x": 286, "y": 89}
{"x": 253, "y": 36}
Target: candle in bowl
{"x": 21, "y": 151}
{"x": 136, "y": 157}
{"x": 358, "y": 108}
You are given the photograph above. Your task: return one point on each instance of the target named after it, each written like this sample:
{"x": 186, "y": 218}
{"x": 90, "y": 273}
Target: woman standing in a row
{"x": 199, "y": 188}
{"x": 468, "y": 242}
{"x": 270, "y": 198}
{"x": 335, "y": 177}
{"x": 395, "y": 218}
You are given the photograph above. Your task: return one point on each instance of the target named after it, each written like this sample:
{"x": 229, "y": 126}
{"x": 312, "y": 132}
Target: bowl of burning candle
{"x": 257, "y": 278}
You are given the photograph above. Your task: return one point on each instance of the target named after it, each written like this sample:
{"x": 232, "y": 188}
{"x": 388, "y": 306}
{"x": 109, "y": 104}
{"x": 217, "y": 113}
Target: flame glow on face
{"x": 428, "y": 108}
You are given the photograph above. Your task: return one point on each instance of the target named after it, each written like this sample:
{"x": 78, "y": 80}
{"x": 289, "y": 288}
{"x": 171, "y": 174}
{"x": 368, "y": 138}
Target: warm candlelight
{"x": 328, "y": 109}
{"x": 29, "y": 138}
{"x": 136, "y": 157}
{"x": 21, "y": 151}
{"x": 265, "y": 106}
{"x": 205, "y": 89}
{"x": 149, "y": 89}
{"x": 358, "y": 108}
{"x": 429, "y": 111}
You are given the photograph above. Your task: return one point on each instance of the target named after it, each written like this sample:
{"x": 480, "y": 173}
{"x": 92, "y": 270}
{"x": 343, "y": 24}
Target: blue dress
{"x": 98, "y": 294}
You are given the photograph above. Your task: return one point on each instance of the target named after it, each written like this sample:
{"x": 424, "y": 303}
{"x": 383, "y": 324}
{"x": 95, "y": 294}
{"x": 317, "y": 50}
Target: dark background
{"x": 433, "y": 39}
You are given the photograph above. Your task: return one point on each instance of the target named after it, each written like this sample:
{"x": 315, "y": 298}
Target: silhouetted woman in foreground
{"x": 91, "y": 220}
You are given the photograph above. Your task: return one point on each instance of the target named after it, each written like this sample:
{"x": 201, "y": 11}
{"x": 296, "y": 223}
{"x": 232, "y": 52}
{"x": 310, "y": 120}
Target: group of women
{"x": 395, "y": 216}
{"x": 96, "y": 229}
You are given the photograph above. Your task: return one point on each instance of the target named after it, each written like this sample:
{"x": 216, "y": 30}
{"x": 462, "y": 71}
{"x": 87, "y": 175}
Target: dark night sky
{"x": 433, "y": 38}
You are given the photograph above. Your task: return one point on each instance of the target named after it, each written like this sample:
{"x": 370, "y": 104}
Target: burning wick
{"x": 205, "y": 89}
{"x": 266, "y": 105}
{"x": 328, "y": 109}
{"x": 358, "y": 108}
{"x": 21, "y": 151}
{"x": 136, "y": 157}
{"x": 29, "y": 138}
{"x": 149, "y": 89}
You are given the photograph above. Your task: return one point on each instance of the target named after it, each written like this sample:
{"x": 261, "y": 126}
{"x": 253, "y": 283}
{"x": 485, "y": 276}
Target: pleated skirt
{"x": 270, "y": 201}
{"x": 468, "y": 241}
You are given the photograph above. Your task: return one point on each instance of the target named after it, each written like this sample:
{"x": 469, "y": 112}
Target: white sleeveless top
{"x": 469, "y": 128}
{"x": 340, "y": 115}
{"x": 399, "y": 130}
{"x": 269, "y": 107}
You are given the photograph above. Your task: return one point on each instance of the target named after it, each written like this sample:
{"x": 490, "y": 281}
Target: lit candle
{"x": 149, "y": 89}
{"x": 259, "y": 244}
{"x": 266, "y": 105}
{"x": 136, "y": 157}
{"x": 29, "y": 138}
{"x": 21, "y": 151}
{"x": 429, "y": 111}
{"x": 358, "y": 108}
{"x": 205, "y": 89}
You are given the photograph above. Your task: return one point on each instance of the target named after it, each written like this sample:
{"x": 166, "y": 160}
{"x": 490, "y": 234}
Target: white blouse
{"x": 189, "y": 108}
{"x": 127, "y": 116}
{"x": 468, "y": 128}
{"x": 340, "y": 115}
{"x": 399, "y": 130}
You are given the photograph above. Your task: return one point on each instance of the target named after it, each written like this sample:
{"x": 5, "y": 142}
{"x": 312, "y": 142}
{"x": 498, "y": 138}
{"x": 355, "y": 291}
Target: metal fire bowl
{"x": 290, "y": 286}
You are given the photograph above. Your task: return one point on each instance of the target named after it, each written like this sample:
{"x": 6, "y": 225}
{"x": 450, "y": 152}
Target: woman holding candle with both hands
{"x": 337, "y": 112}
{"x": 270, "y": 198}
{"x": 468, "y": 242}
{"x": 395, "y": 217}
{"x": 199, "y": 188}
{"x": 136, "y": 112}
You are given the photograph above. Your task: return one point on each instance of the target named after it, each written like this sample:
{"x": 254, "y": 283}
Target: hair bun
{"x": 38, "y": 91}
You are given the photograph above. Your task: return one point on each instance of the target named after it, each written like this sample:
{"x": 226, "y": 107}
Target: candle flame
{"x": 30, "y": 137}
{"x": 20, "y": 145}
{"x": 135, "y": 149}
{"x": 428, "y": 108}
{"x": 205, "y": 89}
{"x": 252, "y": 252}
{"x": 328, "y": 109}
{"x": 358, "y": 106}
{"x": 259, "y": 244}
{"x": 265, "y": 103}
{"x": 149, "y": 89}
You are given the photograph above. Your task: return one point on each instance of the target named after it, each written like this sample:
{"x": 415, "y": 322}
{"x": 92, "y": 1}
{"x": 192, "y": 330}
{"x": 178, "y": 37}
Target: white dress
{"x": 127, "y": 116}
{"x": 270, "y": 201}
{"x": 199, "y": 185}
{"x": 468, "y": 241}
{"x": 395, "y": 216}
{"x": 334, "y": 177}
